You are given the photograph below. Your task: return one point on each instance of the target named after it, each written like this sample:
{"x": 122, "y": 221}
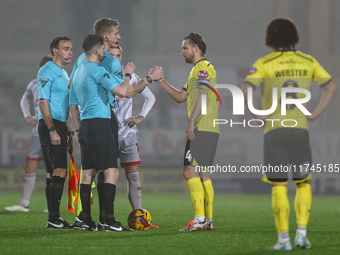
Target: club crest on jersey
{"x": 43, "y": 82}
{"x": 252, "y": 70}
{"x": 203, "y": 74}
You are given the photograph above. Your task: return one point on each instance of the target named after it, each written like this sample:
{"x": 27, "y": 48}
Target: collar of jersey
{"x": 56, "y": 68}
{"x": 285, "y": 50}
{"x": 201, "y": 60}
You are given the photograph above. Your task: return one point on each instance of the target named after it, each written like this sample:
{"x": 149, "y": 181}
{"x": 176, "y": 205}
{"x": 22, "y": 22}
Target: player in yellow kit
{"x": 202, "y": 135}
{"x": 288, "y": 143}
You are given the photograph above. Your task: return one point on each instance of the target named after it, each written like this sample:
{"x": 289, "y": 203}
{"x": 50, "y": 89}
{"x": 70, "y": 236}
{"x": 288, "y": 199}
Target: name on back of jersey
{"x": 291, "y": 73}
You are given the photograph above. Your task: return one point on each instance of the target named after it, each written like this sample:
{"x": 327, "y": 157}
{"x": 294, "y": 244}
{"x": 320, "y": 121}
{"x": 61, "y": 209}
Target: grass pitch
{"x": 244, "y": 224}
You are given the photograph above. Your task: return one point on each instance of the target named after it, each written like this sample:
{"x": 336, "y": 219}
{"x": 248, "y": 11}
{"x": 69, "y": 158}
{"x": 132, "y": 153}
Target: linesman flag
{"x": 73, "y": 180}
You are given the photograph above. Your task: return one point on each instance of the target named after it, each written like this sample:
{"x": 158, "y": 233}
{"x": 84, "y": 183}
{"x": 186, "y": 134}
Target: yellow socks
{"x": 302, "y": 204}
{"x": 208, "y": 198}
{"x": 280, "y": 205}
{"x": 197, "y": 195}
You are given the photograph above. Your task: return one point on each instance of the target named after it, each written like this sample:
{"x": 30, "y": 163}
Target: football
{"x": 140, "y": 219}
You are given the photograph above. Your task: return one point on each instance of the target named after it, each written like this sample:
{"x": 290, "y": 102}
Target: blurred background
{"x": 152, "y": 32}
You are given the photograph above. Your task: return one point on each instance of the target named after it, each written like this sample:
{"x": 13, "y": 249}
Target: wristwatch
{"x": 52, "y": 129}
{"x": 148, "y": 79}
{"x": 128, "y": 75}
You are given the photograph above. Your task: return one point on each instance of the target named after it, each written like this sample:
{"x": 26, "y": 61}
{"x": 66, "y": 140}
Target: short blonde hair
{"x": 104, "y": 25}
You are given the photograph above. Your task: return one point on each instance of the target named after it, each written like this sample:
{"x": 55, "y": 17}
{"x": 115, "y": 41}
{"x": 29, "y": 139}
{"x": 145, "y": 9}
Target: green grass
{"x": 243, "y": 225}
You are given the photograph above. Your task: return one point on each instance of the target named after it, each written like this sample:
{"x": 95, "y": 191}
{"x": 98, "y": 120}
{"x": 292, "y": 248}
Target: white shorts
{"x": 34, "y": 151}
{"x": 129, "y": 151}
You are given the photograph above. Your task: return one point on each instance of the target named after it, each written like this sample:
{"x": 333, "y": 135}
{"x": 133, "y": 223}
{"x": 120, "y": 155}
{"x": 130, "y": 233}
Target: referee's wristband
{"x": 70, "y": 133}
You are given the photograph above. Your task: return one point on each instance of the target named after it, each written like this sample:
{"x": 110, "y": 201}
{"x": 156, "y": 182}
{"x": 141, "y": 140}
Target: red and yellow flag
{"x": 73, "y": 179}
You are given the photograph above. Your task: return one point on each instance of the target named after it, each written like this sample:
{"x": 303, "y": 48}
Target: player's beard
{"x": 189, "y": 58}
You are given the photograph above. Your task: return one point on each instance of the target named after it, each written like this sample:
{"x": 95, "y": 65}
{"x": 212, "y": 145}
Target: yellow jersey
{"x": 281, "y": 69}
{"x": 203, "y": 76}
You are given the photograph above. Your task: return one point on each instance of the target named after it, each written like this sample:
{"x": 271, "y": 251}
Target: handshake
{"x": 156, "y": 73}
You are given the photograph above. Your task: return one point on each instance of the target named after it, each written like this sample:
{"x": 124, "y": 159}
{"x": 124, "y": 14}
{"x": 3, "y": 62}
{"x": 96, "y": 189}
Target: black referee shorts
{"x": 201, "y": 151}
{"x": 97, "y": 143}
{"x": 114, "y": 127}
{"x": 287, "y": 147}
{"x": 55, "y": 156}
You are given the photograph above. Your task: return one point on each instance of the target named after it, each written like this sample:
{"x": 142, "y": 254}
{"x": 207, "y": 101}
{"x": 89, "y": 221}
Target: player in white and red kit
{"x": 127, "y": 135}
{"x": 34, "y": 154}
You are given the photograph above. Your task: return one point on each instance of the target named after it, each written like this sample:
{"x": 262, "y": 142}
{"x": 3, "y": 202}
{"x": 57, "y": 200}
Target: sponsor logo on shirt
{"x": 119, "y": 73}
{"x": 118, "y": 99}
{"x": 203, "y": 74}
{"x": 252, "y": 70}
{"x": 43, "y": 82}
{"x": 106, "y": 75}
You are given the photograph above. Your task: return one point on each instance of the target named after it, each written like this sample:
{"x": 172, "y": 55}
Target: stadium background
{"x": 152, "y": 32}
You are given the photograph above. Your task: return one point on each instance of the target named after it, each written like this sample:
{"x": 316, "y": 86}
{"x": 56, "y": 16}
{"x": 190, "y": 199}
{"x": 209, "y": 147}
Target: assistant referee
{"x": 54, "y": 128}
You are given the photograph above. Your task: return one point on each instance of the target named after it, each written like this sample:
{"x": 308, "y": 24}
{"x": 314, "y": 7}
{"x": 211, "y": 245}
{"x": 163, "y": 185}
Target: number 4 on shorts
{"x": 188, "y": 155}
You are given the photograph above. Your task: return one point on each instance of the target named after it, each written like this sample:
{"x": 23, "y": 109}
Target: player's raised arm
{"x": 135, "y": 87}
{"x": 154, "y": 75}
{"x": 122, "y": 89}
{"x": 178, "y": 95}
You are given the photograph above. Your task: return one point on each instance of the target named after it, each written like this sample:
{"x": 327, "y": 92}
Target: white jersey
{"x": 25, "y": 103}
{"x": 122, "y": 108}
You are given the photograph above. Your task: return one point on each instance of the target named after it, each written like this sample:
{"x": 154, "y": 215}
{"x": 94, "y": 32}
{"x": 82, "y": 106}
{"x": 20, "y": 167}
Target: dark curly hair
{"x": 282, "y": 33}
{"x": 197, "y": 39}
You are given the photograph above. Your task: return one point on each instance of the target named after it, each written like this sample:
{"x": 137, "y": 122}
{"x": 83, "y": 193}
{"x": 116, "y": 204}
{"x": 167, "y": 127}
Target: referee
{"x": 55, "y": 133}
{"x": 90, "y": 89}
{"x": 108, "y": 29}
